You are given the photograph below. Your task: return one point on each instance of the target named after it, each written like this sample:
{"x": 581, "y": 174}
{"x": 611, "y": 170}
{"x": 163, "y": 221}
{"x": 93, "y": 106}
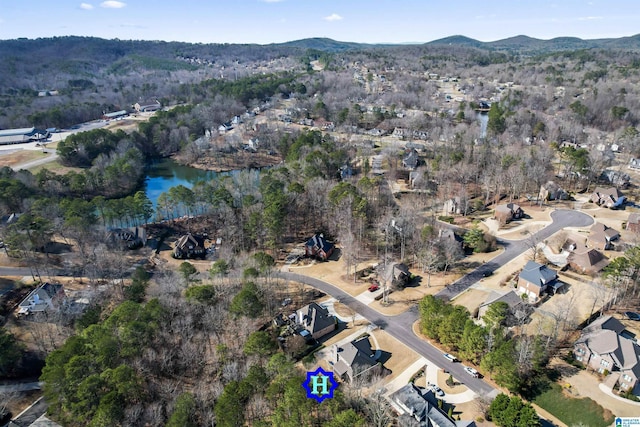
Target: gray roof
{"x": 511, "y": 298}
{"x": 16, "y": 132}
{"x": 315, "y": 318}
{"x": 356, "y": 352}
{"x": 538, "y": 274}
{"x": 604, "y": 336}
{"x": 421, "y": 405}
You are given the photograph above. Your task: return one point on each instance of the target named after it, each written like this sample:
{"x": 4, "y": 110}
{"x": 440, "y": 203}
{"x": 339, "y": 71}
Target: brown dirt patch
{"x": 401, "y": 356}
{"x": 471, "y": 299}
{"x": 18, "y": 157}
{"x": 457, "y": 387}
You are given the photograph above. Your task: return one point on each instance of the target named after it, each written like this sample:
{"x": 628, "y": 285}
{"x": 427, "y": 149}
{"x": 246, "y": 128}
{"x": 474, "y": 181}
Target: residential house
{"x": 633, "y": 223}
{"x": 617, "y": 178}
{"x": 447, "y": 235}
{"x": 398, "y": 275}
{"x": 609, "y": 197}
{"x": 601, "y": 236}
{"x": 508, "y": 212}
{"x": 512, "y": 299}
{"x": 356, "y": 358}
{"x": 534, "y": 279}
{"x": 419, "y": 407}
{"x": 315, "y": 320}
{"x": 189, "y": 246}
{"x": 129, "y": 238}
{"x": 318, "y": 247}
{"x": 586, "y": 260}
{"x": 453, "y": 205}
{"x": 147, "y": 106}
{"x": 410, "y": 160}
{"x": 606, "y": 347}
{"x": 400, "y": 133}
{"x": 225, "y": 127}
{"x": 552, "y": 191}
{"x": 45, "y": 297}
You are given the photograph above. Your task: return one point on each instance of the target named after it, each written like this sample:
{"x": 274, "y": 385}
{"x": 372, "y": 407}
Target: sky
{"x": 276, "y": 21}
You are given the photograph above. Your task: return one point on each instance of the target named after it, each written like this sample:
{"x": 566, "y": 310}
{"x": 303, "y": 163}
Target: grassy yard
{"x": 572, "y": 411}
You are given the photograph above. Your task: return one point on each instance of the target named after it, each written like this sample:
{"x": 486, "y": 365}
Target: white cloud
{"x": 589, "y": 18}
{"x": 86, "y": 6}
{"x": 333, "y": 17}
{"x": 112, "y": 4}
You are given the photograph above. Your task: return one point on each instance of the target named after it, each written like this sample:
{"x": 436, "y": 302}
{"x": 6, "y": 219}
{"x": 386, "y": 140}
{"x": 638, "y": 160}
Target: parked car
{"x": 451, "y": 357}
{"x": 632, "y": 315}
{"x": 471, "y": 372}
{"x": 286, "y": 302}
{"x": 373, "y": 288}
{"x": 438, "y": 391}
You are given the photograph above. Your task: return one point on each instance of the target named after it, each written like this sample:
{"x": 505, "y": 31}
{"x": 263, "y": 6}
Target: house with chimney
{"x": 419, "y": 407}
{"x": 609, "y": 197}
{"x": 535, "y": 279}
{"x": 317, "y": 246}
{"x": 356, "y": 358}
{"x": 602, "y": 237}
{"x": 606, "y": 347}
{"x": 315, "y": 321}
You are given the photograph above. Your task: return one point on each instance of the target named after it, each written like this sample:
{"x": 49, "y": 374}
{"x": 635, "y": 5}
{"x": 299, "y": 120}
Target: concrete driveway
{"x": 586, "y": 384}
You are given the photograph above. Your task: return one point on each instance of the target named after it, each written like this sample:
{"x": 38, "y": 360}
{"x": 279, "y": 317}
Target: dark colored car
{"x": 631, "y": 315}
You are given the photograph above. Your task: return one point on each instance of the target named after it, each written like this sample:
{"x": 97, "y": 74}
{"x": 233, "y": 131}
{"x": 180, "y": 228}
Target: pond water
{"x": 166, "y": 173}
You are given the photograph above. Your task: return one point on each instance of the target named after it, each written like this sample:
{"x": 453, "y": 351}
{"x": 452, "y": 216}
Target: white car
{"x": 471, "y": 372}
{"x": 451, "y": 357}
{"x": 438, "y": 391}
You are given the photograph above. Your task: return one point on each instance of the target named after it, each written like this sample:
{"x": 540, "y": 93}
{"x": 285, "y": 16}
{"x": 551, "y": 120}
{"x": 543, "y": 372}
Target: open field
{"x": 13, "y": 158}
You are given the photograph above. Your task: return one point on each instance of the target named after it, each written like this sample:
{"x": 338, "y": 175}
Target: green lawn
{"x": 573, "y": 411}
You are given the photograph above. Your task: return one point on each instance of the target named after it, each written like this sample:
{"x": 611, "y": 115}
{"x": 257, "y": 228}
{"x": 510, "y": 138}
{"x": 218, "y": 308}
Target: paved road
{"x": 31, "y": 414}
{"x": 57, "y": 137}
{"x": 8, "y": 388}
{"x": 400, "y": 327}
{"x": 513, "y": 248}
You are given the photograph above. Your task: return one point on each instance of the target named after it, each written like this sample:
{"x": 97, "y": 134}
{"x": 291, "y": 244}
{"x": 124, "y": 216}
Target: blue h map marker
{"x": 320, "y": 385}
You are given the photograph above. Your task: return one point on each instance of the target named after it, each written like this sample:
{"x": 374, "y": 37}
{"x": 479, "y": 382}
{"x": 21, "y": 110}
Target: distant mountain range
{"x": 517, "y": 44}
{"x": 524, "y": 44}
{"x": 116, "y": 48}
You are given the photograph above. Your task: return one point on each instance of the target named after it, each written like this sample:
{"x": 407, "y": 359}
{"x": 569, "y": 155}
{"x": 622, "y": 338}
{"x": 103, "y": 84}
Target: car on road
{"x": 373, "y": 288}
{"x": 632, "y": 315}
{"x": 451, "y": 357}
{"x": 471, "y": 372}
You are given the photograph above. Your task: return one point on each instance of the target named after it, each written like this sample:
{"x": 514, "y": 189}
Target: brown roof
{"x": 589, "y": 260}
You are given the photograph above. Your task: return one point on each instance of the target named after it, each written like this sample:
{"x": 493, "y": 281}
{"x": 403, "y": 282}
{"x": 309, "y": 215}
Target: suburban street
{"x": 561, "y": 218}
{"x": 400, "y": 326}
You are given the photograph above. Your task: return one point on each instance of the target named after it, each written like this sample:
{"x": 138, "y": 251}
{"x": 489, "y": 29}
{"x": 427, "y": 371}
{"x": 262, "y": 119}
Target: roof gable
{"x": 538, "y": 274}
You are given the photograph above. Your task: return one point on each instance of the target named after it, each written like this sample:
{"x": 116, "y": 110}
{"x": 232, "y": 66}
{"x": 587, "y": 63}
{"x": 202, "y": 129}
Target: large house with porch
{"x": 605, "y": 346}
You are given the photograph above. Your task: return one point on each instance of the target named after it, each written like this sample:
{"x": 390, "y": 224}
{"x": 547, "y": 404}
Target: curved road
{"x": 400, "y": 326}
{"x": 513, "y": 248}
